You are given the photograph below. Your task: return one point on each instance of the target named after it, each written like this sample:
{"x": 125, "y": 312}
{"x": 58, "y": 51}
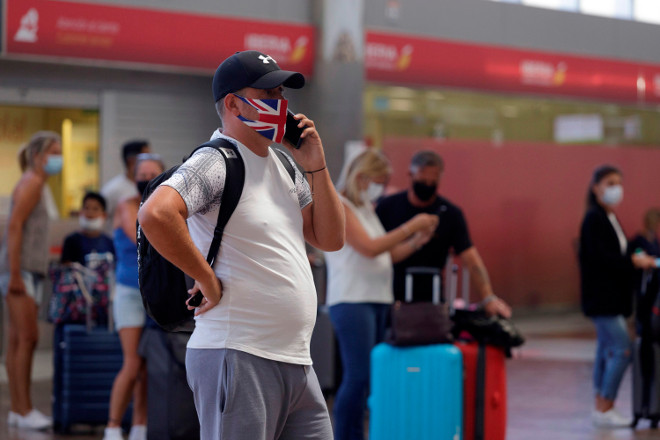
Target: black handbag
{"x": 420, "y": 323}
{"x": 490, "y": 330}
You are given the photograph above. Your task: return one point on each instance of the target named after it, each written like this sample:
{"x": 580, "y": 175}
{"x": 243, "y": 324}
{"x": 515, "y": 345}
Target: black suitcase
{"x": 646, "y": 354}
{"x": 646, "y": 381}
{"x": 85, "y": 363}
{"x": 171, "y": 413}
{"x": 323, "y": 350}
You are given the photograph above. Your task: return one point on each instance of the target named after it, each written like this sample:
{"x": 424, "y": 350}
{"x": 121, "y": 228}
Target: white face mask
{"x": 373, "y": 192}
{"x": 91, "y": 224}
{"x": 613, "y": 195}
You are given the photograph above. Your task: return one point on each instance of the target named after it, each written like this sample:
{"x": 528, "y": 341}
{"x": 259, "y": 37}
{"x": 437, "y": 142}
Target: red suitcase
{"x": 484, "y": 380}
{"x": 484, "y": 392}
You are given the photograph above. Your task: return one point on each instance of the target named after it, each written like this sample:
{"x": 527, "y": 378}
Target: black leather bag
{"x": 420, "y": 323}
{"x": 490, "y": 330}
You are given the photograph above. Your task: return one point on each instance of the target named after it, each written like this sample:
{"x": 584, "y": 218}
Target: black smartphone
{"x": 292, "y": 133}
{"x": 196, "y": 300}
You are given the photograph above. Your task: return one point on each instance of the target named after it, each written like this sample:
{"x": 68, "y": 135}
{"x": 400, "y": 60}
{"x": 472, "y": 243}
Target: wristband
{"x": 489, "y": 299}
{"x": 657, "y": 262}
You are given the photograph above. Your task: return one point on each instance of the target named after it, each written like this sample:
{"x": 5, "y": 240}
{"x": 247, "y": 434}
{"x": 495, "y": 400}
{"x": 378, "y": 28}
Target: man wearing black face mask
{"x": 426, "y": 168}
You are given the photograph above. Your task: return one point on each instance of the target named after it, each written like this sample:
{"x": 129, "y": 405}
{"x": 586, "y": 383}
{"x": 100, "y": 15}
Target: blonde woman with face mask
{"x": 23, "y": 265}
{"x": 360, "y": 282}
{"x": 606, "y": 270}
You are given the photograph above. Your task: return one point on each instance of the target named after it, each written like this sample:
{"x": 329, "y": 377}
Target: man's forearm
{"x": 481, "y": 281}
{"x": 328, "y": 220}
{"x": 478, "y": 273}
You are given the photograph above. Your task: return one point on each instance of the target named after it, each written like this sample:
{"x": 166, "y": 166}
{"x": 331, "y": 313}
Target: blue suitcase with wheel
{"x": 86, "y": 362}
{"x": 416, "y": 393}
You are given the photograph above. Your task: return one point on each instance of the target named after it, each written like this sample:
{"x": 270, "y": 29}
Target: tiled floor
{"x": 549, "y": 388}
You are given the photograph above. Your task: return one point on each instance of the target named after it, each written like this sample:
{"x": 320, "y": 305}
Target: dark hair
{"x": 599, "y": 174}
{"x": 91, "y": 195}
{"x": 651, "y": 219}
{"x": 132, "y": 149}
{"x": 426, "y": 159}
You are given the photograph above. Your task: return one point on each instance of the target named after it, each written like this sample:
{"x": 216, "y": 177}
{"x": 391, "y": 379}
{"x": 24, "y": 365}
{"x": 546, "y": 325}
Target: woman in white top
{"x": 360, "y": 283}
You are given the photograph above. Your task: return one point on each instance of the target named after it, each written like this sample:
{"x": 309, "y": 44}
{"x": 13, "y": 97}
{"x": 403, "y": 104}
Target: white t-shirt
{"x": 268, "y": 307}
{"x": 354, "y": 278}
{"x": 623, "y": 242}
{"x": 116, "y": 189}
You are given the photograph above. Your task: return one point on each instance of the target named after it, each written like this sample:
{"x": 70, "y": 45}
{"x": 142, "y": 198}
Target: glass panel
{"x": 647, "y": 11}
{"x": 471, "y": 115}
{"x": 563, "y": 5}
{"x": 607, "y": 8}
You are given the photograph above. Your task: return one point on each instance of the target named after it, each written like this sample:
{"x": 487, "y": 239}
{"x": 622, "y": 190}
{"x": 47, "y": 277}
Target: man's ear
{"x": 231, "y": 105}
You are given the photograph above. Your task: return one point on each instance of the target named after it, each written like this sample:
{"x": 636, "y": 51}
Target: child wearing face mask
{"x": 90, "y": 244}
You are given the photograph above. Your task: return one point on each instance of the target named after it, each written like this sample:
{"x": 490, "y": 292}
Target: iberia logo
{"x": 27, "y": 32}
{"x": 656, "y": 84}
{"x": 279, "y": 47}
{"x": 299, "y": 49}
{"x": 388, "y": 56}
{"x": 543, "y": 73}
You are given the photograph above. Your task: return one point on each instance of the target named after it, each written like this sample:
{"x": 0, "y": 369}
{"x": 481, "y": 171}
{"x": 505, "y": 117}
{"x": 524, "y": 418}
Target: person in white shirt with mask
{"x": 248, "y": 361}
{"x": 359, "y": 289}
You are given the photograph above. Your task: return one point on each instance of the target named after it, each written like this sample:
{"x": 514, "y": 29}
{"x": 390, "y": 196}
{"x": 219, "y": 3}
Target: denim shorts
{"x": 34, "y": 285}
{"x": 127, "y": 307}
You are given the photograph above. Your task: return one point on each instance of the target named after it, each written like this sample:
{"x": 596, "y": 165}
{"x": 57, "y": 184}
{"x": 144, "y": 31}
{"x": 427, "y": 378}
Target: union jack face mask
{"x": 272, "y": 117}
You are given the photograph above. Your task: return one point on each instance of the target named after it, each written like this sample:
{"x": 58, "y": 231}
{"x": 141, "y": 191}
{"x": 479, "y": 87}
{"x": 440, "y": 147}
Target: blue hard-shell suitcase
{"x": 85, "y": 365}
{"x": 416, "y": 393}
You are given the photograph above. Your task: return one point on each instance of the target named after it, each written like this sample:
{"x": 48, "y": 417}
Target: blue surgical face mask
{"x": 613, "y": 195}
{"x": 53, "y": 164}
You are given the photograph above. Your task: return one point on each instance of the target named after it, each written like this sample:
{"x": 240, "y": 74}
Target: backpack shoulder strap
{"x": 284, "y": 158}
{"x": 234, "y": 181}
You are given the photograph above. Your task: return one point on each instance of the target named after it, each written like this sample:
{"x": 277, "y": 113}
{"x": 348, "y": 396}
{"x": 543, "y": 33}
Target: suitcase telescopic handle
{"x": 412, "y": 271}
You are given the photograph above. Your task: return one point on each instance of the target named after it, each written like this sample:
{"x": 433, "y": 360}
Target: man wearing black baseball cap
{"x": 248, "y": 360}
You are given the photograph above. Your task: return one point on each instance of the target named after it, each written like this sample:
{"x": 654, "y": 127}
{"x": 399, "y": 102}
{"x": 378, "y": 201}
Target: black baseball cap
{"x": 254, "y": 69}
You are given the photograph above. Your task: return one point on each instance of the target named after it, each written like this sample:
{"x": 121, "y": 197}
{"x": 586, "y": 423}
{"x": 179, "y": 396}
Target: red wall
{"x": 524, "y": 203}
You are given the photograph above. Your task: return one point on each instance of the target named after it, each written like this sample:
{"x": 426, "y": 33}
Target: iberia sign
{"x": 405, "y": 59}
{"x": 60, "y": 29}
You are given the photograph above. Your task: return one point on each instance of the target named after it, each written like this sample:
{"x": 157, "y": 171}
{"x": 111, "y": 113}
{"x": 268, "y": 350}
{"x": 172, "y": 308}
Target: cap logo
{"x": 267, "y": 59}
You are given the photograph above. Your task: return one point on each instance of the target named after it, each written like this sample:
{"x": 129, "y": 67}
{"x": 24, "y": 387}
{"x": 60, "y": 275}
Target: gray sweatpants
{"x": 239, "y": 396}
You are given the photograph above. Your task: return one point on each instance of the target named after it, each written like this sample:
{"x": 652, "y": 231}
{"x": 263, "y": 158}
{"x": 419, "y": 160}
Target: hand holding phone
{"x": 196, "y": 299}
{"x": 292, "y": 132}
